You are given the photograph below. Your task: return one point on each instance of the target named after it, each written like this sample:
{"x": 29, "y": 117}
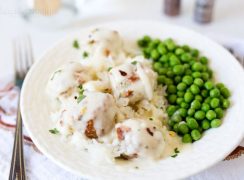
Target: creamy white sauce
{"x": 109, "y": 104}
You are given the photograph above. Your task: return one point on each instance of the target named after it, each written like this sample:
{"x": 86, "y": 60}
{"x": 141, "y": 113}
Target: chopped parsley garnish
{"x": 151, "y": 119}
{"x": 134, "y": 62}
{"x": 76, "y": 44}
{"x": 54, "y": 74}
{"x": 81, "y": 95}
{"x": 85, "y": 54}
{"x": 176, "y": 150}
{"x": 54, "y": 131}
{"x": 109, "y": 69}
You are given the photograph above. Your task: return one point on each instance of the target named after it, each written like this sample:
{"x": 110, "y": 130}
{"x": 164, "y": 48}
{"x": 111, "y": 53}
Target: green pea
{"x": 210, "y": 72}
{"x": 204, "y": 69}
{"x": 204, "y": 60}
{"x": 171, "y": 89}
{"x": 209, "y": 85}
{"x": 187, "y": 80}
{"x": 205, "y": 76}
{"x": 197, "y": 66}
{"x": 199, "y": 98}
{"x": 171, "y": 123}
{"x": 214, "y": 103}
{"x": 192, "y": 123}
{"x": 181, "y": 86}
{"x": 199, "y": 82}
{"x": 171, "y": 110}
{"x": 194, "y": 52}
{"x": 188, "y": 97}
{"x": 157, "y": 66}
{"x": 179, "y": 51}
{"x": 214, "y": 93}
{"x": 226, "y": 103}
{"x": 168, "y": 81}
{"x": 172, "y": 98}
{"x": 176, "y": 118}
{"x": 183, "y": 112}
{"x": 196, "y": 104}
{"x": 220, "y": 85}
{"x": 186, "y": 57}
{"x": 162, "y": 49}
{"x": 210, "y": 115}
{"x": 208, "y": 100}
{"x": 178, "y": 69}
{"x": 170, "y": 73}
{"x": 146, "y": 52}
{"x": 225, "y": 92}
{"x": 196, "y": 74}
{"x": 199, "y": 115}
{"x": 176, "y": 129}
{"x": 164, "y": 59}
{"x": 170, "y": 46}
{"x": 180, "y": 94}
{"x": 188, "y": 72}
{"x": 216, "y": 123}
{"x": 205, "y": 107}
{"x": 162, "y": 71}
{"x": 194, "y": 89}
{"x": 179, "y": 100}
{"x": 173, "y": 60}
{"x": 205, "y": 124}
{"x": 195, "y": 134}
{"x": 219, "y": 113}
{"x": 187, "y": 138}
{"x": 186, "y": 48}
{"x": 191, "y": 112}
{"x": 177, "y": 79}
{"x": 161, "y": 79}
{"x": 183, "y": 128}
{"x": 184, "y": 105}
{"x": 204, "y": 93}
{"x": 154, "y": 54}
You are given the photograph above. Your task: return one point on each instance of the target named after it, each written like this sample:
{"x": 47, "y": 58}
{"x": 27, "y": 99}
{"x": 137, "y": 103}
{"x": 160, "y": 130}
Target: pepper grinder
{"x": 172, "y": 7}
{"x": 203, "y": 11}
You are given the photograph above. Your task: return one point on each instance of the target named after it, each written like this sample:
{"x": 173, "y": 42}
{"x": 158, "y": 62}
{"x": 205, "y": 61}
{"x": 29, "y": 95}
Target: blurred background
{"x": 46, "y": 21}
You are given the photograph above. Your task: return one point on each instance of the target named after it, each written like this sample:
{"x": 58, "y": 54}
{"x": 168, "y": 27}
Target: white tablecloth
{"x": 227, "y": 28}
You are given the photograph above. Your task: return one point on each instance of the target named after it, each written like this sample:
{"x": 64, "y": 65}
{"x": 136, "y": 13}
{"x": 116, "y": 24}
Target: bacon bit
{"x": 133, "y": 78}
{"x": 172, "y": 133}
{"x": 120, "y": 134}
{"x": 91, "y": 41}
{"x": 108, "y": 90}
{"x": 106, "y": 52}
{"x": 149, "y": 131}
{"x": 122, "y": 73}
{"x": 128, "y": 93}
{"x": 90, "y": 130}
{"x": 127, "y": 157}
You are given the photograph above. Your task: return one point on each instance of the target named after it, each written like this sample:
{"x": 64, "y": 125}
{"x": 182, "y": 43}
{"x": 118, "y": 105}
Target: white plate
{"x": 215, "y": 145}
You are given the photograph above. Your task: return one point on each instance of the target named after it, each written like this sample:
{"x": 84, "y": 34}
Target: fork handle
{"x": 17, "y": 170}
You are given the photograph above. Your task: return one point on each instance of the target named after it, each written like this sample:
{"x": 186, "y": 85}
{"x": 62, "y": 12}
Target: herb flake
{"x": 176, "y": 150}
{"x": 134, "y": 62}
{"x": 81, "y": 95}
{"x": 85, "y": 54}
{"x": 76, "y": 44}
{"x": 151, "y": 119}
{"x": 109, "y": 69}
{"x": 54, "y": 131}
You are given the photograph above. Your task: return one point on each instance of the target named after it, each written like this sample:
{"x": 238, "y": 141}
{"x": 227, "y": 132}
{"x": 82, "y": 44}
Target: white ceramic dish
{"x": 213, "y": 147}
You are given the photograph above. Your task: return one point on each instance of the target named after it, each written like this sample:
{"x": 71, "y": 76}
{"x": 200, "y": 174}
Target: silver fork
{"x": 23, "y": 59}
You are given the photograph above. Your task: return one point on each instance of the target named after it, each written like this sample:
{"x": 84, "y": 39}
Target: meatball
{"x": 138, "y": 138}
{"x": 135, "y": 82}
{"x": 98, "y": 117}
{"x": 66, "y": 78}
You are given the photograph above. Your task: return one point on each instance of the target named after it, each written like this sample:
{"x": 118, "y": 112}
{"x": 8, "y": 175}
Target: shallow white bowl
{"x": 215, "y": 145}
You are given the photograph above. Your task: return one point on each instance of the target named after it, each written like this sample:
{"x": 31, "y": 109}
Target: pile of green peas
{"x": 196, "y": 103}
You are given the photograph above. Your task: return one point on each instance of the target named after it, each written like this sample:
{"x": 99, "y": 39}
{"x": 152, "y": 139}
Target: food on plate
{"x": 134, "y": 106}
{"x": 196, "y": 102}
